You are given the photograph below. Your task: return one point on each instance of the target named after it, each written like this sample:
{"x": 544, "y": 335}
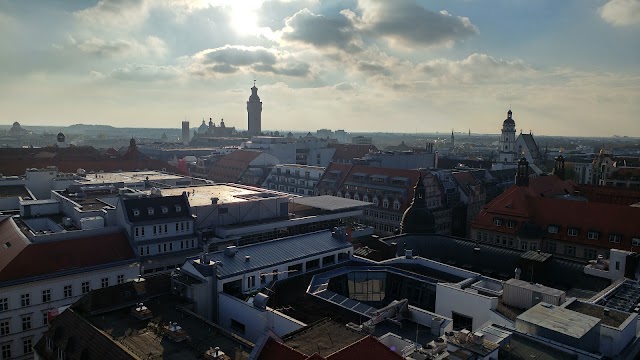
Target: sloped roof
{"x": 348, "y": 152}
{"x": 531, "y": 144}
{"x": 274, "y": 350}
{"x": 48, "y": 258}
{"x": 229, "y": 167}
{"x": 365, "y": 349}
{"x": 609, "y": 194}
{"x": 171, "y": 203}
{"x": 79, "y": 339}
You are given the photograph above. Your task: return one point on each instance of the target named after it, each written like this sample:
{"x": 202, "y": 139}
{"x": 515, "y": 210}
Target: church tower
{"x": 507, "y": 153}
{"x": 254, "y": 111}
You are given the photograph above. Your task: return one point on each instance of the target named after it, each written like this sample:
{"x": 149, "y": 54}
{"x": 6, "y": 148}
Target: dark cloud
{"x": 372, "y": 68}
{"x": 233, "y": 58}
{"x": 404, "y": 21}
{"x": 320, "y": 31}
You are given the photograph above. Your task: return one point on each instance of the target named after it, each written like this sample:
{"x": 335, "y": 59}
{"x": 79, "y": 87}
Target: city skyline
{"x": 567, "y": 68}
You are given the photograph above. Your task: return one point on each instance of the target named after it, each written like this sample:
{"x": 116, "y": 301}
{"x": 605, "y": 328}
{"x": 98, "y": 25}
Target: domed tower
{"x": 418, "y": 219}
{"x": 507, "y": 152}
{"x": 202, "y": 129}
{"x": 61, "y": 140}
{"x": 254, "y": 111}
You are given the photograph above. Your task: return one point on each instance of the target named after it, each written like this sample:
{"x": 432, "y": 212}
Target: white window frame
{"x": 552, "y": 229}
{"x": 593, "y": 235}
{"x": 572, "y": 232}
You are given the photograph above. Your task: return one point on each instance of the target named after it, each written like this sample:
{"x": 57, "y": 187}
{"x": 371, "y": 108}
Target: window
{"x": 27, "y": 345}
{"x": 263, "y": 278}
{"x": 593, "y": 235}
{"x": 615, "y": 238}
{"x": 61, "y": 355}
{"x": 166, "y": 228}
{"x": 572, "y": 232}
{"x": 45, "y": 318}
{"x": 142, "y": 231}
{"x": 164, "y": 246}
{"x": 159, "y": 248}
{"x": 170, "y": 246}
{"x": 511, "y": 224}
{"x": 141, "y": 251}
{"x": 570, "y": 250}
{"x": 591, "y": 254}
{"x": 385, "y": 203}
{"x": 46, "y": 295}
{"x": 86, "y": 287}
{"x": 4, "y": 304}
{"x": 155, "y": 232}
{"x": 68, "y": 291}
{"x": 533, "y": 247}
{"x": 524, "y": 245}
{"x": 136, "y": 212}
{"x": 120, "y": 279}
{"x": 178, "y": 208}
{"x": 188, "y": 225}
{"x": 182, "y": 226}
{"x": 375, "y": 201}
{"x": 137, "y": 232}
{"x": 551, "y": 248}
{"x": 479, "y": 236}
{"x": 552, "y": 229}
{"x": 104, "y": 282}
{"x": 461, "y": 321}
{"x": 6, "y": 351}
{"x": 165, "y": 210}
{"x": 177, "y": 227}
{"x": 497, "y": 222}
{"x": 26, "y": 322}
{"x": 237, "y": 326}
{"x": 251, "y": 282}
{"x": 25, "y": 300}
{"x": 4, "y": 327}
{"x": 396, "y": 205}
{"x": 150, "y": 211}
{"x": 49, "y": 344}
{"x": 635, "y": 242}
{"x": 275, "y": 274}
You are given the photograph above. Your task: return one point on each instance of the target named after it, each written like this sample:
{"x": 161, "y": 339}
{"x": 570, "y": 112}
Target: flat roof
{"x": 330, "y": 203}
{"x": 274, "y": 252}
{"x": 11, "y": 191}
{"x": 127, "y": 177}
{"x": 559, "y": 319}
{"x": 324, "y": 337}
{"x": 610, "y": 317}
{"x": 535, "y": 287}
{"x": 226, "y": 194}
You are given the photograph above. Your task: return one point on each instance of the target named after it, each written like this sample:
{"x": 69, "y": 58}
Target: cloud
{"x": 621, "y": 12}
{"x": 273, "y": 13}
{"x": 320, "y": 31}
{"x": 115, "y": 13}
{"x": 151, "y": 46}
{"x": 475, "y": 69}
{"x": 372, "y": 68}
{"x": 233, "y": 58}
{"x": 143, "y": 72}
{"x": 405, "y": 22}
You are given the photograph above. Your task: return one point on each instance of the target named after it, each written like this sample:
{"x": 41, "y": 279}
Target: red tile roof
{"x": 527, "y": 204}
{"x": 229, "y": 167}
{"x": 16, "y": 161}
{"x": 609, "y": 194}
{"x": 274, "y": 350}
{"x": 347, "y": 152}
{"x": 365, "y": 349}
{"x": 37, "y": 259}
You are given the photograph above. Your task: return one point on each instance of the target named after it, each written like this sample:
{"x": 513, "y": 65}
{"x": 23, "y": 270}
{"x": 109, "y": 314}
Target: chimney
{"x": 517, "y": 273}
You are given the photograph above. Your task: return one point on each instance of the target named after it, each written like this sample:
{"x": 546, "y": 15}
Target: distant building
{"x": 511, "y": 149}
{"x": 389, "y": 190}
{"x": 243, "y": 166}
{"x": 185, "y": 132}
{"x": 254, "y": 113}
{"x": 362, "y": 140}
{"x": 346, "y": 153}
{"x": 295, "y": 179}
{"x": 616, "y": 171}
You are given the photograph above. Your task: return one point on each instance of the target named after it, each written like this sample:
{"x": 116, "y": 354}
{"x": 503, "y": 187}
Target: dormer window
{"x": 165, "y": 210}
{"x": 511, "y": 224}
{"x": 497, "y": 222}
{"x": 178, "y": 208}
{"x": 150, "y": 211}
{"x": 136, "y": 212}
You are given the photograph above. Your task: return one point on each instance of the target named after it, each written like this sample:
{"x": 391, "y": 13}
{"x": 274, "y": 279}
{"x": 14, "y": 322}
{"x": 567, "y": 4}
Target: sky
{"x": 569, "y": 67}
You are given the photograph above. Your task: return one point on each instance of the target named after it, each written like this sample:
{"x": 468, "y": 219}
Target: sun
{"x": 244, "y": 19}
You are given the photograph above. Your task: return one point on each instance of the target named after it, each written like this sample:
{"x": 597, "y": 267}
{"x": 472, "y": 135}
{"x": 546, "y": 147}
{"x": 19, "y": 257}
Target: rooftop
{"x": 270, "y": 253}
{"x": 127, "y": 177}
{"x": 323, "y": 337}
{"x": 226, "y": 194}
{"x": 330, "y": 203}
{"x": 609, "y": 317}
{"x": 555, "y": 318}
{"x": 11, "y": 191}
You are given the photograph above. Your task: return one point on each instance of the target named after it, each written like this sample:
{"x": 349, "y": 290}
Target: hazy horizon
{"x": 567, "y": 68}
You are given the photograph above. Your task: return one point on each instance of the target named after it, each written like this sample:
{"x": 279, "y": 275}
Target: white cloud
{"x": 115, "y": 13}
{"x": 151, "y": 46}
{"x": 476, "y": 69}
{"x": 143, "y": 72}
{"x": 621, "y": 12}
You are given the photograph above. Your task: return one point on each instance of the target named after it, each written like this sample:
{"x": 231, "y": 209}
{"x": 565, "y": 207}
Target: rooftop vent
{"x": 215, "y": 354}
{"x": 408, "y": 254}
{"x": 231, "y": 251}
{"x": 136, "y": 212}
{"x": 214, "y": 200}
{"x": 247, "y": 258}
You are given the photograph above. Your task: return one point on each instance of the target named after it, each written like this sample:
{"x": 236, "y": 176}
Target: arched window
{"x": 396, "y": 205}
{"x": 385, "y": 203}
